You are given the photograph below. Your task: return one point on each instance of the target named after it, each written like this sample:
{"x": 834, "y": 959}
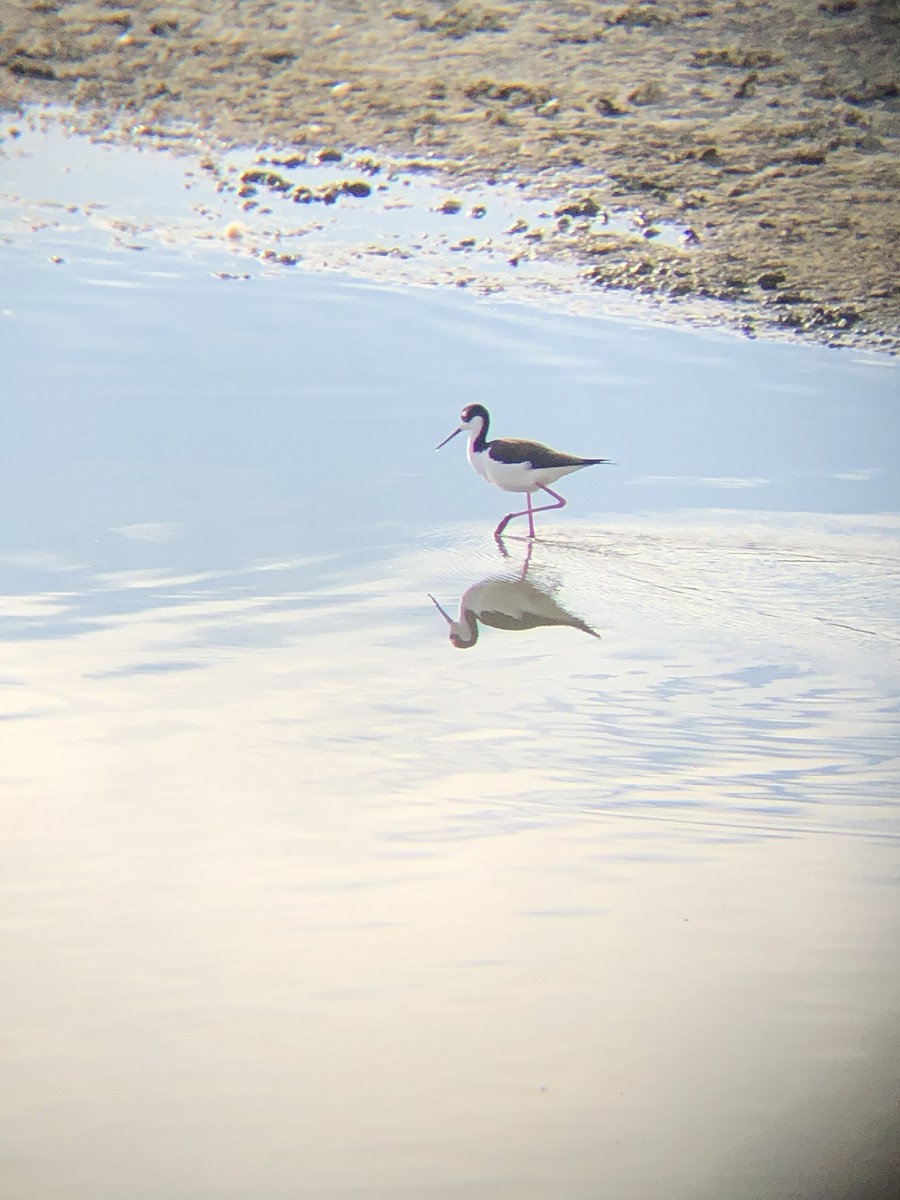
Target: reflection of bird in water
{"x": 515, "y": 465}
{"x": 506, "y": 604}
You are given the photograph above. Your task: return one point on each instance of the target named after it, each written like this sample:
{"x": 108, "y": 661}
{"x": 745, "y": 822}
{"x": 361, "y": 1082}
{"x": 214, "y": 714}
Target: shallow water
{"x": 298, "y": 898}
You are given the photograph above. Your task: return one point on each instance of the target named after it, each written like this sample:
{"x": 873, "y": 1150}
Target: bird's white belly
{"x": 521, "y": 477}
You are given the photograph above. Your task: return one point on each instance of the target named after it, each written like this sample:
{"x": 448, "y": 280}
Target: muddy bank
{"x": 768, "y": 132}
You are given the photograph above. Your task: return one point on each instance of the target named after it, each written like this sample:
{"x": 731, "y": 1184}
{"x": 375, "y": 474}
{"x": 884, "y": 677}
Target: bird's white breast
{"x": 479, "y": 460}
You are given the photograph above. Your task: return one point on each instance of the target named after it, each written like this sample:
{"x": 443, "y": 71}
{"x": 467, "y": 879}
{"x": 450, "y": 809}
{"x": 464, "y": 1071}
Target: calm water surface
{"x": 298, "y": 899}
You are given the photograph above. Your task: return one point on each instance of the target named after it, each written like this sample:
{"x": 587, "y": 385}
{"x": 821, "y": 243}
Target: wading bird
{"x": 515, "y": 465}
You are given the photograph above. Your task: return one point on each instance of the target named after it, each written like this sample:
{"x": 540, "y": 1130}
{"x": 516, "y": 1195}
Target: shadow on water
{"x": 320, "y": 908}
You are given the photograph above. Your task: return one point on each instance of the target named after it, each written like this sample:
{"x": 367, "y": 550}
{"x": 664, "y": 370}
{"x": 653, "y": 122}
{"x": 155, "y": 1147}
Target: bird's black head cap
{"x": 474, "y": 410}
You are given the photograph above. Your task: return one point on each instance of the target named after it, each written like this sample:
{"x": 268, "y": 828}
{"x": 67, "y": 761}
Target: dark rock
{"x": 791, "y": 319}
{"x": 809, "y": 158}
{"x": 836, "y": 318}
{"x": 748, "y": 86}
{"x": 356, "y": 187}
{"x": 609, "y": 108}
{"x": 368, "y": 165}
{"x": 284, "y": 260}
{"x": 269, "y": 179}
{"x": 278, "y": 57}
{"x": 585, "y": 206}
{"x": 29, "y": 69}
{"x": 290, "y": 162}
{"x": 771, "y": 280}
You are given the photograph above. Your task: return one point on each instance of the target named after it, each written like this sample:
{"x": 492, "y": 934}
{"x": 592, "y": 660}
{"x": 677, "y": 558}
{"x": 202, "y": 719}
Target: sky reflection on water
{"x": 302, "y": 900}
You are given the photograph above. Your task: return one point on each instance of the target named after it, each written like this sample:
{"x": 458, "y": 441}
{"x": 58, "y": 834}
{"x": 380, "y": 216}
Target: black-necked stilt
{"x": 515, "y": 465}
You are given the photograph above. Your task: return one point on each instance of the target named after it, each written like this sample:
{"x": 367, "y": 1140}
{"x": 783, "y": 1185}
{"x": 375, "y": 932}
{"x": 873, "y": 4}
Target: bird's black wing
{"x": 514, "y": 450}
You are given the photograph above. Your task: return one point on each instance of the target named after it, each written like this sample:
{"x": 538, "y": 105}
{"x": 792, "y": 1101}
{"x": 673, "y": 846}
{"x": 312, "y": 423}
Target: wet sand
{"x": 768, "y": 132}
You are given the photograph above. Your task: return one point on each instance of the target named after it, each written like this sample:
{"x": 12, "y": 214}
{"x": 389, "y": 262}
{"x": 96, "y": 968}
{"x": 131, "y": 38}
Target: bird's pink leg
{"x": 530, "y": 511}
{"x": 526, "y": 512}
{"x": 560, "y": 500}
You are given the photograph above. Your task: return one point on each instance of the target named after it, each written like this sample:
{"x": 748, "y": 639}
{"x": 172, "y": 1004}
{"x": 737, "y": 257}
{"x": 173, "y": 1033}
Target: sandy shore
{"x": 768, "y": 131}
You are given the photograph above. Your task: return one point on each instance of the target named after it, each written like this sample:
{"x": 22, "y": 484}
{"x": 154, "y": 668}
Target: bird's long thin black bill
{"x": 442, "y": 611}
{"x": 450, "y": 438}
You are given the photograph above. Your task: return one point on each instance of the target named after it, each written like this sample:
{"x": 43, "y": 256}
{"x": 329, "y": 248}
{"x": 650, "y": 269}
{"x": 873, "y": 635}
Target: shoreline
{"x": 770, "y": 140}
